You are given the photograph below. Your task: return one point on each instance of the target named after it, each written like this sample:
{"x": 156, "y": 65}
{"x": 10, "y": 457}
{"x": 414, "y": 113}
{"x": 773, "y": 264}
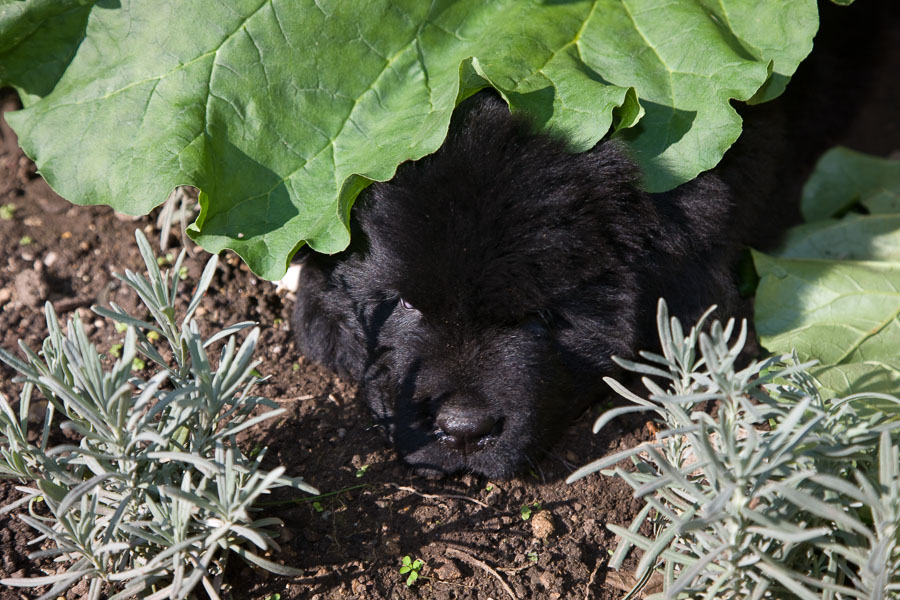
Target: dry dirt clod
{"x": 542, "y": 525}
{"x": 31, "y": 289}
{"x": 448, "y": 571}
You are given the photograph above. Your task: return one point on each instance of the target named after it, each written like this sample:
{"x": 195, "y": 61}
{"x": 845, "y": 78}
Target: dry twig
{"x": 411, "y": 490}
{"x": 482, "y": 565}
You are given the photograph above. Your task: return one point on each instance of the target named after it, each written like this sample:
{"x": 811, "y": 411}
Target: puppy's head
{"x": 490, "y": 285}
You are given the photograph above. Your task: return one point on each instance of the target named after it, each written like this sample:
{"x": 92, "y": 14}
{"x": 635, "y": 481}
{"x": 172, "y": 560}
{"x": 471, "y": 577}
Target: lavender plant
{"x": 156, "y": 492}
{"x": 773, "y": 493}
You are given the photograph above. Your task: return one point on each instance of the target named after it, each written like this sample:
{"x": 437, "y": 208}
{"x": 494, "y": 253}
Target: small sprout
{"x": 256, "y": 450}
{"x": 138, "y": 364}
{"x": 413, "y": 567}
{"x": 115, "y": 350}
{"x": 7, "y": 211}
{"x": 25, "y": 240}
{"x": 278, "y": 321}
{"x": 256, "y": 373}
{"x": 183, "y": 273}
{"x": 532, "y": 556}
{"x": 152, "y": 336}
{"x": 528, "y": 509}
{"x": 121, "y": 327}
{"x": 317, "y": 506}
{"x": 295, "y": 367}
{"x": 275, "y": 596}
{"x": 489, "y": 487}
{"x": 362, "y": 470}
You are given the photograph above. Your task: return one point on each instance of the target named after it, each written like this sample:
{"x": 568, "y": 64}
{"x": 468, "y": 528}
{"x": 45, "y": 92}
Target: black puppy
{"x": 489, "y": 284}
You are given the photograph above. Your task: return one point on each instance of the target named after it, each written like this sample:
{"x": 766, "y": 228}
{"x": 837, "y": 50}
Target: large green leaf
{"x": 833, "y": 292}
{"x": 844, "y": 177}
{"x": 835, "y": 311}
{"x": 855, "y": 237}
{"x": 282, "y": 112}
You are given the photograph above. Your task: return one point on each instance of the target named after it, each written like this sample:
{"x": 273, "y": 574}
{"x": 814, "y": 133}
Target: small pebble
{"x": 50, "y": 258}
{"x": 448, "y": 571}
{"x": 542, "y": 525}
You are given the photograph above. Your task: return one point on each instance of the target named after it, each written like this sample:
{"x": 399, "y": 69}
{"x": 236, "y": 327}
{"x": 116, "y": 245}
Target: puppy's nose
{"x": 463, "y": 427}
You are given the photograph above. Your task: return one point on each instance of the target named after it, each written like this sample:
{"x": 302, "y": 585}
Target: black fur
{"x": 493, "y": 281}
{"x": 488, "y": 285}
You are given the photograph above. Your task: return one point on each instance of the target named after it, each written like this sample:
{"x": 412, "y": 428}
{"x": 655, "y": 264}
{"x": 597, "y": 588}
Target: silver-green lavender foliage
{"x": 156, "y": 494}
{"x": 756, "y": 487}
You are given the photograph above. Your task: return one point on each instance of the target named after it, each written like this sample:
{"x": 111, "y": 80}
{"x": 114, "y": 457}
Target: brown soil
{"x": 468, "y": 531}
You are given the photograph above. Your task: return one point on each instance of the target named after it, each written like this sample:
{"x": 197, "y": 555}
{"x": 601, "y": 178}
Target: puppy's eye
{"x": 406, "y": 305}
{"x": 539, "y": 322}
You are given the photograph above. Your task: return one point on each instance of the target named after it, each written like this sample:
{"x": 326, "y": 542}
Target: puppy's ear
{"x": 324, "y": 323}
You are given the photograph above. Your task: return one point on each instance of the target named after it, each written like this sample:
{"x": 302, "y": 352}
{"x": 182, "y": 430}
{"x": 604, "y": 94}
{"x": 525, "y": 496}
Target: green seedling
{"x": 317, "y": 506}
{"x": 295, "y": 367}
{"x": 532, "y": 556}
{"x": 413, "y": 568}
{"x": 115, "y": 350}
{"x": 7, "y": 212}
{"x": 152, "y": 336}
{"x": 529, "y": 509}
{"x": 25, "y": 240}
{"x": 362, "y": 470}
{"x": 121, "y": 327}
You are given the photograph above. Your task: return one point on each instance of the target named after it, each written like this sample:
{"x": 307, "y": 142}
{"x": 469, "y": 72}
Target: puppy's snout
{"x": 463, "y": 428}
